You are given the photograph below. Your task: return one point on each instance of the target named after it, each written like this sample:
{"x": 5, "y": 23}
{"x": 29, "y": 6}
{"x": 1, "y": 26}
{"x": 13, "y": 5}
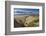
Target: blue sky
{"x": 26, "y": 10}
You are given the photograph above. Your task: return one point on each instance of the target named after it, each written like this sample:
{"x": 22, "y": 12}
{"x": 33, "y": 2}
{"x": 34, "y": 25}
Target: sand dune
{"x": 21, "y": 21}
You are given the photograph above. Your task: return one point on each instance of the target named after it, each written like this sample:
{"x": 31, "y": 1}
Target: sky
{"x": 26, "y": 11}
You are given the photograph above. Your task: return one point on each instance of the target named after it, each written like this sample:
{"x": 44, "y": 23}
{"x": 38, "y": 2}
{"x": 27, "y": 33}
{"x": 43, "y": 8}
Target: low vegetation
{"x": 26, "y": 21}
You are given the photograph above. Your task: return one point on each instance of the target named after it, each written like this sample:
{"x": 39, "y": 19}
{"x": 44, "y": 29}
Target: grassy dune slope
{"x": 27, "y": 21}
